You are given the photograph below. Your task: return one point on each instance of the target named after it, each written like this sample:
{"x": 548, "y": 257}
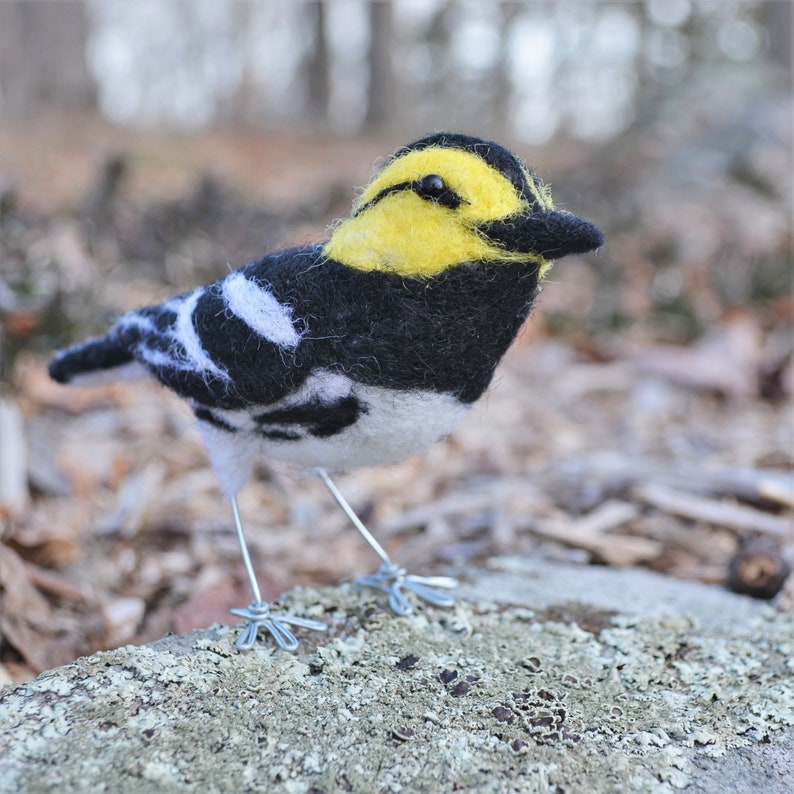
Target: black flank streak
{"x": 321, "y": 419}
{"x": 205, "y": 415}
{"x": 280, "y": 435}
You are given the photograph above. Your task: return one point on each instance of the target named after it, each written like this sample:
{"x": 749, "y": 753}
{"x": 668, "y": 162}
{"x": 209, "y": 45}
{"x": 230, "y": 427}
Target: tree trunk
{"x": 776, "y": 17}
{"x": 318, "y": 67}
{"x": 380, "y": 93}
{"x": 43, "y": 58}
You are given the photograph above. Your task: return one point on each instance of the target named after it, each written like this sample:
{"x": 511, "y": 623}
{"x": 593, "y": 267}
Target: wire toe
{"x": 392, "y": 579}
{"x": 258, "y": 614}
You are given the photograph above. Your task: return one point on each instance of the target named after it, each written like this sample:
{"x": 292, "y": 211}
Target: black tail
{"x": 95, "y": 356}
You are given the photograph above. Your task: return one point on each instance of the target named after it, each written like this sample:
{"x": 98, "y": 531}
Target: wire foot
{"x": 257, "y": 613}
{"x": 258, "y": 616}
{"x": 393, "y": 579}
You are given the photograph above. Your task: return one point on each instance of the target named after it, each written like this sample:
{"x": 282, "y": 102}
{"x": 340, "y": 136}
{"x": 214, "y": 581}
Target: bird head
{"x": 447, "y": 199}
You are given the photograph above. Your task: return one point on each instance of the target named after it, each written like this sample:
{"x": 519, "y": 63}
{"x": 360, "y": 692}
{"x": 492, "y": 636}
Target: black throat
{"x": 445, "y": 333}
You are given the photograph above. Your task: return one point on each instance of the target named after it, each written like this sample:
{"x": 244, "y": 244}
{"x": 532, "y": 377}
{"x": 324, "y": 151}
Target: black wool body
{"x": 445, "y": 333}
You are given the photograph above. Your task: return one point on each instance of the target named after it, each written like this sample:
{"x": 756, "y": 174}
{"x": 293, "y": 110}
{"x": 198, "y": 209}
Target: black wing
{"x": 231, "y": 344}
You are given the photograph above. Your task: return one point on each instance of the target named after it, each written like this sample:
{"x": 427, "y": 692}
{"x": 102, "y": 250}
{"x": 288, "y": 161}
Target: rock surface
{"x": 547, "y": 677}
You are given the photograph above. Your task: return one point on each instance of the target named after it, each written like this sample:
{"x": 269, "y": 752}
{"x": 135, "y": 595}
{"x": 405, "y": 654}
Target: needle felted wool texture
{"x": 369, "y": 347}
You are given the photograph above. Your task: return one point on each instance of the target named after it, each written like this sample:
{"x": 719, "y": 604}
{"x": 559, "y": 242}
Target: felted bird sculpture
{"x": 359, "y": 351}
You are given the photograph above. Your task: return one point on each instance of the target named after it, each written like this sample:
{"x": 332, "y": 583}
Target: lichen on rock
{"x": 485, "y": 698}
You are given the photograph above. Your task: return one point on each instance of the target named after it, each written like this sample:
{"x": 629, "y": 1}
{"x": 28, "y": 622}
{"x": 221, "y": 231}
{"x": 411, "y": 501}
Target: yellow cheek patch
{"x": 404, "y": 233}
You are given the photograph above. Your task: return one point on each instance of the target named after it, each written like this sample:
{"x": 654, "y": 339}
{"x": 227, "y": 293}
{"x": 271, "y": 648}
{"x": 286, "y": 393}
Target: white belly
{"x": 394, "y": 425}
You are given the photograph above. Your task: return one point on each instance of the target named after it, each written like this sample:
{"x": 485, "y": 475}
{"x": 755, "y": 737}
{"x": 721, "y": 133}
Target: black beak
{"x": 552, "y": 235}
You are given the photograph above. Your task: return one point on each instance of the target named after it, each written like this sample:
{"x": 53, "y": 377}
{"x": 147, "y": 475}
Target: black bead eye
{"x": 431, "y": 186}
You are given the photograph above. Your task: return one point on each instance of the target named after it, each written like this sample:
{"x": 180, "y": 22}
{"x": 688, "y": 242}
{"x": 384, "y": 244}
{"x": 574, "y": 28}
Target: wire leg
{"x": 355, "y": 520}
{"x": 249, "y": 568}
{"x": 257, "y": 613}
{"x": 390, "y": 578}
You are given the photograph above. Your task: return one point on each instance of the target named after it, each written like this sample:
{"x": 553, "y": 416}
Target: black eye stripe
{"x": 382, "y": 195}
{"x": 447, "y": 198}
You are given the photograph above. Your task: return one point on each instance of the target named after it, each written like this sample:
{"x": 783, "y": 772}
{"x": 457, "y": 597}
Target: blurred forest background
{"x": 643, "y": 418}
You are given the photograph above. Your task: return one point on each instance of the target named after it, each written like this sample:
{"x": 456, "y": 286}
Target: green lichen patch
{"x": 471, "y": 699}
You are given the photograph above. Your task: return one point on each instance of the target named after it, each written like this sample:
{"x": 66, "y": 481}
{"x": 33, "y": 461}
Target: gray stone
{"x": 552, "y": 677}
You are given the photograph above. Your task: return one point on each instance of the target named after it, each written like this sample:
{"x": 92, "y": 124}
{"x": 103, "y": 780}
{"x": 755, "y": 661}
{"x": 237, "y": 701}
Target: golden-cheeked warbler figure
{"x": 359, "y": 351}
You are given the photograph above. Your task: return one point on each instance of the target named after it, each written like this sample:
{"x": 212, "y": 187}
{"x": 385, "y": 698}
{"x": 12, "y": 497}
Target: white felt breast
{"x": 394, "y": 425}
